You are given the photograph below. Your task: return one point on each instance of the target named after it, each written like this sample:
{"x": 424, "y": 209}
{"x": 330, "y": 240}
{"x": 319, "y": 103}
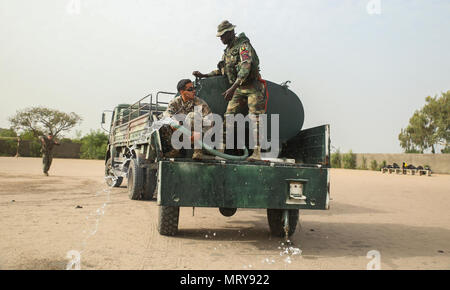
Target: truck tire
{"x": 227, "y": 211}
{"x": 135, "y": 180}
{"x": 276, "y": 223}
{"x": 151, "y": 179}
{"x": 168, "y": 220}
{"x": 110, "y": 179}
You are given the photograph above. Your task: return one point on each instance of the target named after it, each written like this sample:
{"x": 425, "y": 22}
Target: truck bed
{"x": 241, "y": 184}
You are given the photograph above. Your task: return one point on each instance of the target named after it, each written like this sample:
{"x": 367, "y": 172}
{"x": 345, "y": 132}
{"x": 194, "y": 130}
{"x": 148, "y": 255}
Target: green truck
{"x": 297, "y": 179}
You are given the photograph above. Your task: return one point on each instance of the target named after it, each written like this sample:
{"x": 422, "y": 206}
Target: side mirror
{"x": 103, "y": 118}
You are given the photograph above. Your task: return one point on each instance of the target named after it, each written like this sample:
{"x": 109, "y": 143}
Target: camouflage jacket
{"x": 47, "y": 144}
{"x": 239, "y": 62}
{"x": 178, "y": 106}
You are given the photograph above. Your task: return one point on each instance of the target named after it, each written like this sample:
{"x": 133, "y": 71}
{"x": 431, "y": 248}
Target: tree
{"x": 439, "y": 111}
{"x": 428, "y": 127}
{"x": 40, "y": 120}
{"x": 406, "y": 142}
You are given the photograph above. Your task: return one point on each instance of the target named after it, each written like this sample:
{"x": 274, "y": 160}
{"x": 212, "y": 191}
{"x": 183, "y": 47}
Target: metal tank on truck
{"x": 296, "y": 179}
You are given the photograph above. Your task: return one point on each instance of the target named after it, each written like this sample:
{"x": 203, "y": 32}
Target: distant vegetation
{"x": 429, "y": 127}
{"x": 336, "y": 159}
{"x": 30, "y": 123}
{"x": 93, "y": 145}
{"x": 41, "y": 120}
{"x": 348, "y": 161}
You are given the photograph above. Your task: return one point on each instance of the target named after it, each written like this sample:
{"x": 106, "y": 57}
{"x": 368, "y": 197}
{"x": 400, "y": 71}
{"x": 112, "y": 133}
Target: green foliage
{"x": 446, "y": 150}
{"x": 8, "y": 145}
{"x": 336, "y": 159}
{"x": 363, "y": 163}
{"x": 27, "y": 135}
{"x": 7, "y": 132}
{"x": 428, "y": 127}
{"x": 33, "y": 146}
{"x": 374, "y": 165}
{"x": 41, "y": 120}
{"x": 349, "y": 160}
{"x": 93, "y": 145}
{"x": 412, "y": 150}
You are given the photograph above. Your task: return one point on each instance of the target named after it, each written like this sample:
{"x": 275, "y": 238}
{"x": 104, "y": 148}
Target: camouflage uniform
{"x": 179, "y": 106}
{"x": 47, "y": 152}
{"x": 241, "y": 63}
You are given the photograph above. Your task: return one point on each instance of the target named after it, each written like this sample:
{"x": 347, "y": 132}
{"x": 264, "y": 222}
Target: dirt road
{"x": 405, "y": 218}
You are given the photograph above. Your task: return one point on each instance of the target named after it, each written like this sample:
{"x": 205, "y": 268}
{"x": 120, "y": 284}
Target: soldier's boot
{"x": 46, "y": 173}
{"x": 256, "y": 154}
{"x": 198, "y": 154}
{"x": 257, "y": 149}
{"x": 172, "y": 153}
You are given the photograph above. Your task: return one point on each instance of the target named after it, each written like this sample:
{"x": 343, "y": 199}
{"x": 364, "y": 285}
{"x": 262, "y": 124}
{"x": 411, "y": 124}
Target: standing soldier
{"x": 47, "y": 151}
{"x": 240, "y": 64}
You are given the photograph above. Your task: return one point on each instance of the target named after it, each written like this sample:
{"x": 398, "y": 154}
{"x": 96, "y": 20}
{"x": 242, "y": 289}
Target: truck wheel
{"x": 135, "y": 180}
{"x": 110, "y": 179}
{"x": 276, "y": 223}
{"x": 227, "y": 211}
{"x": 168, "y": 220}
{"x": 151, "y": 179}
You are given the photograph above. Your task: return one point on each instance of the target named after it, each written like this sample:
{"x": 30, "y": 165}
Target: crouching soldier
{"x": 185, "y": 104}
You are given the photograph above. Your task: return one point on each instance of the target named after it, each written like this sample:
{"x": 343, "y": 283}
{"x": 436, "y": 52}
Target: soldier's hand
{"x": 198, "y": 74}
{"x": 228, "y": 94}
{"x": 195, "y": 136}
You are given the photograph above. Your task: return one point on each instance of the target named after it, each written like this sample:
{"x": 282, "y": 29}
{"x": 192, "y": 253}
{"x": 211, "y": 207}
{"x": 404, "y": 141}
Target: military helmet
{"x": 224, "y": 27}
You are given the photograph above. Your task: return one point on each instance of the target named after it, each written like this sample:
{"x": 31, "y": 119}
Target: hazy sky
{"x": 364, "y": 74}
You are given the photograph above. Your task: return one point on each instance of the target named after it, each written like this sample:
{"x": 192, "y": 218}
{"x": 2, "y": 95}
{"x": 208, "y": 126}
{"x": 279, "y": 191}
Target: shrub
{"x": 374, "y": 165}
{"x": 349, "y": 160}
{"x": 364, "y": 163}
{"x": 336, "y": 159}
{"x": 32, "y": 148}
{"x": 93, "y": 145}
{"x": 8, "y": 145}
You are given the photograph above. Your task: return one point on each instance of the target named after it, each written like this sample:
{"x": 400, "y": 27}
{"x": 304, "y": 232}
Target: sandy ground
{"x": 405, "y": 218}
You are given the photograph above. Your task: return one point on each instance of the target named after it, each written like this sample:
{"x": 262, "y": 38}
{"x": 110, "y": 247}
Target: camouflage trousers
{"x": 253, "y": 97}
{"x": 47, "y": 159}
